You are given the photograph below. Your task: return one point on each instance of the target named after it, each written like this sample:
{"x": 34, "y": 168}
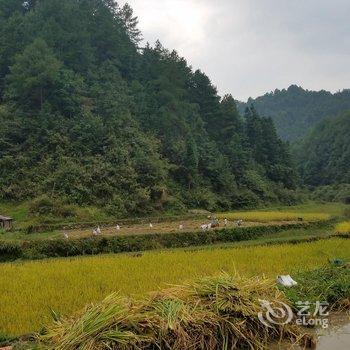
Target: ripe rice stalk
{"x": 113, "y": 321}
{"x": 266, "y": 216}
{"x": 343, "y": 228}
{"x": 89, "y": 279}
{"x": 219, "y": 312}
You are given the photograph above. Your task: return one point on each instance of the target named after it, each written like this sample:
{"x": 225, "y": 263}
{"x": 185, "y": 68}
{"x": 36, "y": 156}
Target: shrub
{"x": 45, "y": 206}
{"x": 332, "y": 193}
{"x": 42, "y": 206}
{"x": 347, "y": 212}
{"x": 174, "y": 205}
{"x": 10, "y": 250}
{"x": 203, "y": 198}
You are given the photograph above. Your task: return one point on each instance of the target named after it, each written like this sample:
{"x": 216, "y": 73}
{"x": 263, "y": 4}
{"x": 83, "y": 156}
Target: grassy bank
{"x": 66, "y": 285}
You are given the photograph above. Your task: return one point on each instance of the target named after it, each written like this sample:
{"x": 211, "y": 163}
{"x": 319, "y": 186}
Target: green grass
{"x": 333, "y": 209}
{"x": 20, "y": 236}
{"x": 19, "y": 212}
{"x": 329, "y": 283}
{"x": 23, "y": 218}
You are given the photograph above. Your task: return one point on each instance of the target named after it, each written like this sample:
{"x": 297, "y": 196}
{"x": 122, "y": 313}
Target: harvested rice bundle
{"x": 114, "y": 322}
{"x": 212, "y": 313}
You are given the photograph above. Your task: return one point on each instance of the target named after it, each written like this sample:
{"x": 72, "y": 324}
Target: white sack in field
{"x": 286, "y": 281}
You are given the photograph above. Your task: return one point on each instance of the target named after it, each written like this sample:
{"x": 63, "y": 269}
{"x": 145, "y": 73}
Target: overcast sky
{"x": 249, "y": 47}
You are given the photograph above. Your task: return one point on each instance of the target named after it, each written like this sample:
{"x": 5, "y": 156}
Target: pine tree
{"x": 33, "y": 75}
{"x": 130, "y": 22}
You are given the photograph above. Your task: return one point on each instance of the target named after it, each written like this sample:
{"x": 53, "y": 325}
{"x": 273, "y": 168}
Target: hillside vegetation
{"x": 324, "y": 155}
{"x": 295, "y": 110}
{"x": 91, "y": 118}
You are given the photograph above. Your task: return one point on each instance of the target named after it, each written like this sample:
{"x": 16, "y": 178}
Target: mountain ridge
{"x": 295, "y": 110}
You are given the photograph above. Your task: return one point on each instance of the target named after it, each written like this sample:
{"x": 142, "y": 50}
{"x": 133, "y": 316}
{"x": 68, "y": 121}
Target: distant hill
{"x": 295, "y": 110}
{"x": 324, "y": 155}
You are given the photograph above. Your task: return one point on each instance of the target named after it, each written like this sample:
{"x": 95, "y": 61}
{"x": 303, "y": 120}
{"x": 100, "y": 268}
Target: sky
{"x": 250, "y": 47}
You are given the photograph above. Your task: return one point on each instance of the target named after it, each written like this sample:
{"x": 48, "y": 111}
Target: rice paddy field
{"x": 277, "y": 215}
{"x": 343, "y": 227}
{"x": 29, "y": 290}
{"x": 270, "y": 216}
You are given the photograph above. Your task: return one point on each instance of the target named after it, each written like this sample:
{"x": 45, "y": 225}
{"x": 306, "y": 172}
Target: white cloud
{"x": 249, "y": 47}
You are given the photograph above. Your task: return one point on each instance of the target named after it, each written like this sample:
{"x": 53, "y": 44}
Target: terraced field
{"x": 30, "y": 289}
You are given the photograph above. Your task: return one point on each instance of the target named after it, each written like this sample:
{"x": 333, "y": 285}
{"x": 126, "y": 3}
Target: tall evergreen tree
{"x": 33, "y": 75}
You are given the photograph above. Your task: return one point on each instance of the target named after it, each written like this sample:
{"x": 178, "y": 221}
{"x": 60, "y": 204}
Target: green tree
{"x": 130, "y": 22}
{"x": 33, "y": 75}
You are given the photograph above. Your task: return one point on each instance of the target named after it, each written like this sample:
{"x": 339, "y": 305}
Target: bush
{"x": 11, "y": 250}
{"x": 202, "y": 198}
{"x": 332, "y": 193}
{"x": 45, "y": 206}
{"x": 174, "y": 205}
{"x": 245, "y": 198}
{"x": 41, "y": 206}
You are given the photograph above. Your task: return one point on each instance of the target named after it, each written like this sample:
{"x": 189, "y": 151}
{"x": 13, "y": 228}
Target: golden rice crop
{"x": 343, "y": 227}
{"x": 212, "y": 313}
{"x": 265, "y": 216}
{"x": 29, "y": 290}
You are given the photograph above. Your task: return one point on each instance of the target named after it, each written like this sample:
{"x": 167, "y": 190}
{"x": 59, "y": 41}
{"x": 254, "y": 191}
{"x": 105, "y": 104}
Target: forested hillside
{"x": 295, "y": 110}
{"x": 324, "y": 155}
{"x": 90, "y": 117}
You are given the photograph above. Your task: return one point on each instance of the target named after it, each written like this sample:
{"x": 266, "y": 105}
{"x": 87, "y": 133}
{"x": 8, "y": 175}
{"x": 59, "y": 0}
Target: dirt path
{"x": 163, "y": 228}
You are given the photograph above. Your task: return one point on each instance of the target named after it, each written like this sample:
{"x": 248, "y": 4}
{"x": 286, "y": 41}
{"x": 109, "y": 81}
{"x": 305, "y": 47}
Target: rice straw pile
{"x": 212, "y": 313}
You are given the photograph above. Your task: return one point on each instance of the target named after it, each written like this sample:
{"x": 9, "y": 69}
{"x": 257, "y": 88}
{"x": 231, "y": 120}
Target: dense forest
{"x": 324, "y": 154}
{"x": 295, "y": 110}
{"x": 89, "y": 116}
